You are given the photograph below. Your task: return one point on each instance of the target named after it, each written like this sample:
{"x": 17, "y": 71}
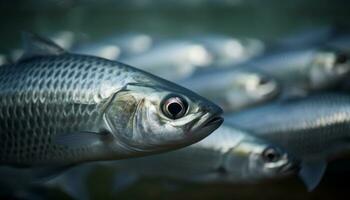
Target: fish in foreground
{"x": 59, "y": 109}
{"x": 228, "y": 155}
{"x": 304, "y": 71}
{"x": 315, "y": 129}
{"x": 233, "y": 89}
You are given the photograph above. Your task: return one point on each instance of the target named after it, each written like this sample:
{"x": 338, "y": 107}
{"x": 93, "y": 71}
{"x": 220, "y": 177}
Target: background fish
{"x": 315, "y": 129}
{"x": 304, "y": 71}
{"x": 62, "y": 109}
{"x": 228, "y": 155}
{"x": 233, "y": 89}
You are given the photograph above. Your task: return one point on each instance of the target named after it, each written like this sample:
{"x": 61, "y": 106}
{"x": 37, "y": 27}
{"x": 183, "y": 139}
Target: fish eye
{"x": 341, "y": 59}
{"x": 271, "y": 154}
{"x": 174, "y": 107}
{"x": 263, "y": 80}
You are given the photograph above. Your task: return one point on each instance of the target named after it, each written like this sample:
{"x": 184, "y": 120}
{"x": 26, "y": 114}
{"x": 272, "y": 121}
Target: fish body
{"x": 63, "y": 109}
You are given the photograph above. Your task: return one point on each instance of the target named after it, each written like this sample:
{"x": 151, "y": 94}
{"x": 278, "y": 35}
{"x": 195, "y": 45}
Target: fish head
{"x": 253, "y": 87}
{"x": 328, "y": 67}
{"x": 148, "y": 118}
{"x": 258, "y": 160}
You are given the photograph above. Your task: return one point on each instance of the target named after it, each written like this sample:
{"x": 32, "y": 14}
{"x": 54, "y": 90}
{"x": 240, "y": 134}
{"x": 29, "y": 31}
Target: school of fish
{"x": 70, "y": 109}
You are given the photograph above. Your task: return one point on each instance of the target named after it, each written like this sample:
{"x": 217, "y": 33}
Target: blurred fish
{"x": 301, "y": 72}
{"x": 228, "y": 155}
{"x": 117, "y": 47}
{"x": 59, "y": 109}
{"x": 172, "y": 60}
{"x": 64, "y": 39}
{"x": 315, "y": 129}
{"x": 233, "y": 89}
{"x": 228, "y": 51}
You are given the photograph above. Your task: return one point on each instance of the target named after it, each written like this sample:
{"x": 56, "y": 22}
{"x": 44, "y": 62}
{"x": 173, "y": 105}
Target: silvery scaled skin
{"x": 304, "y": 71}
{"x": 233, "y": 89}
{"x": 62, "y": 109}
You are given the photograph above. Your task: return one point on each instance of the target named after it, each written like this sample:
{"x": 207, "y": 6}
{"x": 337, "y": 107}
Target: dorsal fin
{"x": 35, "y": 45}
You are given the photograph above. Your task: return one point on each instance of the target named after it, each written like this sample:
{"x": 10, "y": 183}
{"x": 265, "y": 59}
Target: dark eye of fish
{"x": 270, "y": 155}
{"x": 174, "y": 107}
{"x": 263, "y": 80}
{"x": 341, "y": 59}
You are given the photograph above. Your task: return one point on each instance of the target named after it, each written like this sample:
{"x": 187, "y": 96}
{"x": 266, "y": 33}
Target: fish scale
{"x": 47, "y": 98}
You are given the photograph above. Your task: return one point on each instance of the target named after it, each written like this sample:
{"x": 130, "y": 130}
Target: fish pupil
{"x": 174, "y": 109}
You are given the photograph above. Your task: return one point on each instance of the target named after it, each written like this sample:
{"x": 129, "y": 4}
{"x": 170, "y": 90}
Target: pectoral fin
{"x": 312, "y": 173}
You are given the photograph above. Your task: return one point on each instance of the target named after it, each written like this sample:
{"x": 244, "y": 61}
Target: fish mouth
{"x": 290, "y": 169}
{"x": 215, "y": 120}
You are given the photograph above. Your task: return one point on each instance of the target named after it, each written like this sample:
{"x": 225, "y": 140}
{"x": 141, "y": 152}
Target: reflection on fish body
{"x": 228, "y": 155}
{"x": 59, "y": 109}
{"x": 301, "y": 72}
{"x": 233, "y": 89}
{"x": 315, "y": 129}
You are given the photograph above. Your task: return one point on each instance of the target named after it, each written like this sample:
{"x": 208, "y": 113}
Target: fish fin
{"x": 74, "y": 181}
{"x": 311, "y": 173}
{"x": 35, "y": 45}
{"x": 78, "y": 139}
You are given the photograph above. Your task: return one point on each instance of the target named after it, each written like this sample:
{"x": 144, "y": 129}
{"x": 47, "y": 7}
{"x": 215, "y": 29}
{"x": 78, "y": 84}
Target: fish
{"x": 60, "y": 109}
{"x": 303, "y": 72}
{"x": 117, "y": 47}
{"x": 229, "y": 155}
{"x": 315, "y": 128}
{"x": 229, "y": 51}
{"x": 172, "y": 59}
{"x": 232, "y": 89}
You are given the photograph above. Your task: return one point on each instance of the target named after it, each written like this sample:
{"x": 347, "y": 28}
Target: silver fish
{"x": 117, "y": 47}
{"x": 301, "y": 72}
{"x": 233, "y": 89}
{"x": 228, "y": 51}
{"x": 315, "y": 129}
{"x": 228, "y": 155}
{"x": 172, "y": 60}
{"x": 62, "y": 109}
